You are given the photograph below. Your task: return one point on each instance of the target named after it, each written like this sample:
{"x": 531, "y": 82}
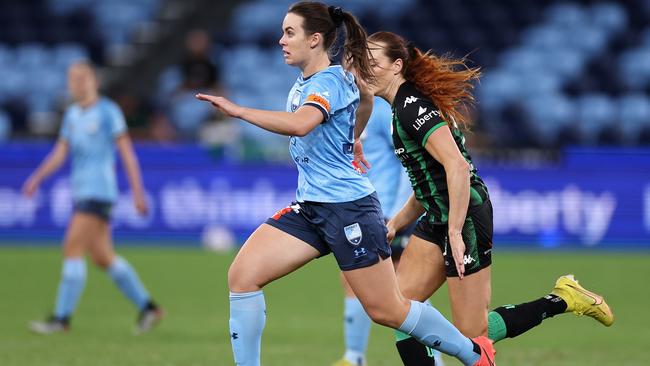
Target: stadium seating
{"x": 40, "y": 39}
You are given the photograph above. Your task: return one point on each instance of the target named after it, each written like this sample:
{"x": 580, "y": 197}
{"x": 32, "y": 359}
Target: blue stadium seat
{"x": 595, "y": 112}
{"x": 548, "y": 115}
{"x": 66, "y": 54}
{"x": 188, "y": 114}
{"x": 31, "y": 56}
{"x": 6, "y": 55}
{"x": 634, "y": 114}
{"x": 609, "y": 16}
{"x": 566, "y": 14}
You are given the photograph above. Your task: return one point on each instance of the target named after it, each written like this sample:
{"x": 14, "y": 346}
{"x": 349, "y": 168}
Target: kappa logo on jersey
{"x": 409, "y": 100}
{"x": 421, "y": 111}
{"x": 353, "y": 233}
{"x": 320, "y": 100}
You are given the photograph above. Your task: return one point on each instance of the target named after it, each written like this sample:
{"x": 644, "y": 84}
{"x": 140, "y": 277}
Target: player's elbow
{"x": 299, "y": 131}
{"x": 458, "y": 166}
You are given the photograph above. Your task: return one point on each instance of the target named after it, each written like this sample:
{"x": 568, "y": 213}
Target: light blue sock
{"x": 356, "y": 327}
{"x": 73, "y": 280}
{"x": 430, "y": 328}
{"x": 127, "y": 280}
{"x": 247, "y": 319}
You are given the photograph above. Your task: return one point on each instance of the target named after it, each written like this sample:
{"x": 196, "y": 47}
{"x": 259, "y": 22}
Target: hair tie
{"x": 410, "y": 48}
{"x": 336, "y": 13}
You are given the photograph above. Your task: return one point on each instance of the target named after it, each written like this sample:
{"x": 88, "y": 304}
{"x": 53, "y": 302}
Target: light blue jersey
{"x": 90, "y": 132}
{"x": 387, "y": 174}
{"x": 324, "y": 156}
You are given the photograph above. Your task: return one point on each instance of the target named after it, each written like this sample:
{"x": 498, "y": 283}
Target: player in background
{"x": 92, "y": 128}
{"x": 453, "y": 240}
{"x": 393, "y": 189}
{"x": 336, "y": 208}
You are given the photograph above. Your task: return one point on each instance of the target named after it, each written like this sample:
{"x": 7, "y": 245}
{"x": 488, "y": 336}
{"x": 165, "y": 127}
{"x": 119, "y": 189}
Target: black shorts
{"x": 354, "y": 231}
{"x": 101, "y": 209}
{"x": 477, "y": 235}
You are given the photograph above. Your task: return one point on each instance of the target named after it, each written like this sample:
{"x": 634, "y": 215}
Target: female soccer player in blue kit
{"x": 336, "y": 210}
{"x": 92, "y": 127}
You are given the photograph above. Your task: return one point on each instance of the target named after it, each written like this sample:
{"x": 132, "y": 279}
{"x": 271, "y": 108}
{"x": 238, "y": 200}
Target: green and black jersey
{"x": 415, "y": 118}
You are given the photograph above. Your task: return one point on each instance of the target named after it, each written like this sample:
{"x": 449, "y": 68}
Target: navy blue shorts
{"x": 101, "y": 209}
{"x": 354, "y": 231}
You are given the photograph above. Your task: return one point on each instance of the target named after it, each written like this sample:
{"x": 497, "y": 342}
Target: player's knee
{"x": 101, "y": 261}
{"x": 242, "y": 281}
{"x": 383, "y": 315}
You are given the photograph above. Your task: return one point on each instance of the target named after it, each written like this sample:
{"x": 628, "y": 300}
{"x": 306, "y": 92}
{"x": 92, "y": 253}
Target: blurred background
{"x": 562, "y": 121}
{"x": 561, "y": 135}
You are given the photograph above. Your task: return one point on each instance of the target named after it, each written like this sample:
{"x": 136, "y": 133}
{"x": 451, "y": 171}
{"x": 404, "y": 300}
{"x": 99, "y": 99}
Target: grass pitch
{"x": 304, "y": 325}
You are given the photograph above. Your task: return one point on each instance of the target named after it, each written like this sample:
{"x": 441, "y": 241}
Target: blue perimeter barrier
{"x": 592, "y": 198}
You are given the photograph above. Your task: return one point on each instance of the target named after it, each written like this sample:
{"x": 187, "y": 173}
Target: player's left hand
{"x": 458, "y": 251}
{"x": 140, "y": 203}
{"x": 359, "y": 162}
{"x": 224, "y": 105}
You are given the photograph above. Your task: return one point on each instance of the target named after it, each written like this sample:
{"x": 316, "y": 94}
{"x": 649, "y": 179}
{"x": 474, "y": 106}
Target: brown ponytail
{"x": 447, "y": 81}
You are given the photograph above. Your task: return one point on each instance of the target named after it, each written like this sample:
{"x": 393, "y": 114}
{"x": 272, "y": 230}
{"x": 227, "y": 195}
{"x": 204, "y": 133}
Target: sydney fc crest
{"x": 353, "y": 233}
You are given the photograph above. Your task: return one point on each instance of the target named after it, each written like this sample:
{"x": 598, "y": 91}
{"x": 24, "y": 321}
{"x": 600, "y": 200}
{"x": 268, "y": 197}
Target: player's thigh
{"x": 470, "y": 300}
{"x": 422, "y": 269}
{"x": 268, "y": 254}
{"x": 80, "y": 233}
{"x": 377, "y": 290}
{"x": 101, "y": 248}
{"x": 347, "y": 290}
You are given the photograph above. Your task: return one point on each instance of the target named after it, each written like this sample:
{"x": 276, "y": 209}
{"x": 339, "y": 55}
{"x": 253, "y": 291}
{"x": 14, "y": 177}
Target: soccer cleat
{"x": 50, "y": 326}
{"x": 487, "y": 351}
{"x": 344, "y": 362}
{"x": 148, "y": 318}
{"x": 581, "y": 301}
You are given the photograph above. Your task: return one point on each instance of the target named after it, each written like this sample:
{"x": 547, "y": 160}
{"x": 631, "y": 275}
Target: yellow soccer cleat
{"x": 581, "y": 301}
{"x": 344, "y": 362}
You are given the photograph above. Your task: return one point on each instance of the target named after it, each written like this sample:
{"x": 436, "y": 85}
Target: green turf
{"x": 304, "y": 312}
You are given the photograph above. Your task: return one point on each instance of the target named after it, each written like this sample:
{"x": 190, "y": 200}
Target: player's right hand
{"x": 30, "y": 187}
{"x": 390, "y": 234}
{"x": 140, "y": 204}
{"x": 224, "y": 105}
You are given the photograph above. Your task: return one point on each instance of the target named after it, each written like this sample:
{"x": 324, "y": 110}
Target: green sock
{"x": 496, "y": 327}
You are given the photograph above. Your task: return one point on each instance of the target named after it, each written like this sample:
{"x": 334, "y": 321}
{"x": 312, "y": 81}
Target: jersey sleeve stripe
{"x": 426, "y": 135}
{"x": 326, "y": 114}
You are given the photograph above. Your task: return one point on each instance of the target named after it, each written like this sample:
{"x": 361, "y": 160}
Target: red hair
{"x": 447, "y": 81}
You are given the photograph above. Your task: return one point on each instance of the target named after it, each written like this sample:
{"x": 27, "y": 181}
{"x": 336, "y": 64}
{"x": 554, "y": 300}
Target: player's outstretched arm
{"x": 52, "y": 163}
{"x": 298, "y": 123}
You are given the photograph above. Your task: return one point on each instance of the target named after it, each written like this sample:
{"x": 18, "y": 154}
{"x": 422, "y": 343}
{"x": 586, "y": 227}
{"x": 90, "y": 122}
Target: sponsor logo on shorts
{"x": 360, "y": 252}
{"x": 468, "y": 259}
{"x": 353, "y": 233}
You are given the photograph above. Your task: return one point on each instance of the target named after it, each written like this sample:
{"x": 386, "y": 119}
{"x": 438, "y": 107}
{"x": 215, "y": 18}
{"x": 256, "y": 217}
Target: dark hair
{"x": 445, "y": 80}
{"x": 319, "y": 18}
